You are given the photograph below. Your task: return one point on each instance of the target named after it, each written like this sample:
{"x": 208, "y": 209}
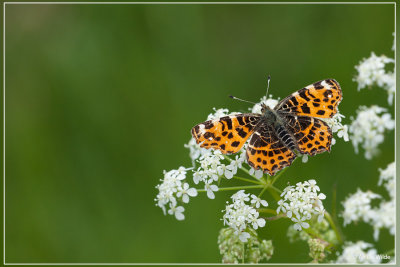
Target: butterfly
{"x": 277, "y": 135}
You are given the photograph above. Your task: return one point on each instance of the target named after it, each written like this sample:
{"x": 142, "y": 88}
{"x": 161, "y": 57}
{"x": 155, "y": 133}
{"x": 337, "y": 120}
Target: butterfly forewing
{"x": 227, "y": 134}
{"x": 319, "y": 99}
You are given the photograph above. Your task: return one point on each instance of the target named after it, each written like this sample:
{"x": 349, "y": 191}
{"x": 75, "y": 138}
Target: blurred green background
{"x": 101, "y": 98}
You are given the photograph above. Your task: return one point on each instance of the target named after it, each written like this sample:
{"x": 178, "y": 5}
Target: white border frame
{"x": 168, "y": 3}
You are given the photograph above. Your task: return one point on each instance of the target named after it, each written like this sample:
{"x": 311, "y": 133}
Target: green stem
{"x": 334, "y": 227}
{"x": 262, "y": 191}
{"x": 275, "y": 195}
{"x": 264, "y": 210}
{"x": 276, "y": 189}
{"x": 247, "y": 180}
{"x": 234, "y": 188}
{"x": 243, "y": 253}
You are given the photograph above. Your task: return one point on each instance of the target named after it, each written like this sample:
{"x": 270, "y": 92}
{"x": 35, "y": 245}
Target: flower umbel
{"x": 233, "y": 250}
{"x": 371, "y": 71}
{"x": 240, "y": 215}
{"x": 368, "y": 128}
{"x": 301, "y": 202}
{"x": 171, "y": 190}
{"x": 358, "y": 253}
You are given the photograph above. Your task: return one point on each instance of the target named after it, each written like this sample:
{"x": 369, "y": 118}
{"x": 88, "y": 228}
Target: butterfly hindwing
{"x": 227, "y": 134}
{"x": 312, "y": 135}
{"x": 266, "y": 151}
{"x": 319, "y": 99}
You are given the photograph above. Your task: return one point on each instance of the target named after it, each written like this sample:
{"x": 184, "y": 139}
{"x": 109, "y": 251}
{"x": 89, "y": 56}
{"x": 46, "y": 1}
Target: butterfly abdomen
{"x": 285, "y": 137}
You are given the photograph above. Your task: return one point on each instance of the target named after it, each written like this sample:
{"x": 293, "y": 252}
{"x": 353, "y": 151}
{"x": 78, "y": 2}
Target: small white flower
{"x": 281, "y": 207}
{"x": 256, "y": 173}
{"x": 291, "y": 207}
{"x": 244, "y": 236}
{"x": 343, "y": 133}
{"x": 227, "y": 170}
{"x": 210, "y": 188}
{"x": 313, "y": 185}
{"x": 177, "y": 211}
{"x": 185, "y": 192}
{"x": 256, "y": 201}
{"x": 320, "y": 211}
{"x": 300, "y": 223}
{"x": 257, "y": 222}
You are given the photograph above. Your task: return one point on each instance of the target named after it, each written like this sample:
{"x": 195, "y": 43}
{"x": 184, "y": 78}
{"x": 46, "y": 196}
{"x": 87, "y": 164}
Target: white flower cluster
{"x": 241, "y": 214}
{"x": 302, "y": 201}
{"x": 357, "y": 253}
{"x": 371, "y": 71}
{"x": 387, "y": 178}
{"x": 368, "y": 129}
{"x": 172, "y": 189}
{"x": 212, "y": 167}
{"x": 233, "y": 250}
{"x": 358, "y": 206}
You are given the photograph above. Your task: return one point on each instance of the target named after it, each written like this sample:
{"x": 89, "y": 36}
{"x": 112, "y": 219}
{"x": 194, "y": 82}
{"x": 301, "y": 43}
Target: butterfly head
{"x": 264, "y": 108}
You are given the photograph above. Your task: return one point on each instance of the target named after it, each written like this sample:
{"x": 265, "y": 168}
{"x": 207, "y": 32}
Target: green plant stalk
{"x": 273, "y": 193}
{"x": 334, "y": 227}
{"x": 265, "y": 210}
{"x": 247, "y": 180}
{"x": 262, "y": 191}
{"x": 234, "y": 188}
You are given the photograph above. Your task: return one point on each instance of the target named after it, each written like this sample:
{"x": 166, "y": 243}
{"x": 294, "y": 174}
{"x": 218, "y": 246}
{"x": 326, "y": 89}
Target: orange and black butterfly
{"x": 276, "y": 134}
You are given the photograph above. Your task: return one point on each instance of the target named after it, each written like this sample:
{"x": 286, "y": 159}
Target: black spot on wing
{"x": 240, "y": 120}
{"x": 294, "y": 101}
{"x": 228, "y": 121}
{"x": 208, "y": 125}
{"x": 316, "y": 104}
{"x": 240, "y": 132}
{"x": 208, "y": 135}
{"x": 302, "y": 94}
{"x": 235, "y": 144}
{"x": 305, "y": 108}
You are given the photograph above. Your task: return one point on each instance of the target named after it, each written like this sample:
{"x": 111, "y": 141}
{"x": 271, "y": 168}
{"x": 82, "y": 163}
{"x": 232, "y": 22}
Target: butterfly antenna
{"x": 269, "y": 79}
{"x": 236, "y": 98}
